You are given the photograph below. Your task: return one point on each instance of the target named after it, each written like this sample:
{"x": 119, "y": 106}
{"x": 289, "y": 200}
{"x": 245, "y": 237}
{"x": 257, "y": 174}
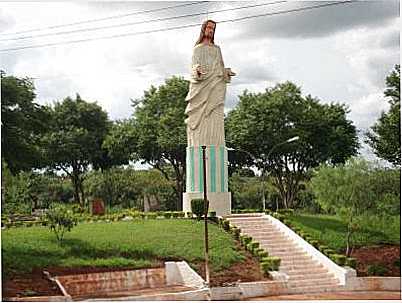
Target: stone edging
{"x": 374, "y": 284}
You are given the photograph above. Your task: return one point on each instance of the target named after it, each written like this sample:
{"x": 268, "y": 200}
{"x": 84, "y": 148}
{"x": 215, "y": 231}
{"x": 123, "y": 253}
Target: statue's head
{"x": 207, "y": 30}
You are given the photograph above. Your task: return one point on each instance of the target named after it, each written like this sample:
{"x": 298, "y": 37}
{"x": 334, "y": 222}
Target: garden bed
{"x": 386, "y": 257}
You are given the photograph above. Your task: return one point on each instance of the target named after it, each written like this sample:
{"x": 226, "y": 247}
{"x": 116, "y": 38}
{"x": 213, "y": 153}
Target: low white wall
{"x": 374, "y": 284}
{"x": 263, "y": 288}
{"x": 188, "y": 276}
{"x": 342, "y": 274}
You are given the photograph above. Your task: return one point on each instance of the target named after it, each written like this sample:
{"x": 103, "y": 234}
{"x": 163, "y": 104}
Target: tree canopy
{"x": 74, "y": 141}
{"x": 262, "y": 123}
{"x": 156, "y": 133}
{"x": 385, "y": 134}
{"x": 22, "y": 123}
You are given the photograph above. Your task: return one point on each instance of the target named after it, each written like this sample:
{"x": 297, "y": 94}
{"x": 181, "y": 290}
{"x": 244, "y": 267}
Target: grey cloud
{"x": 320, "y": 22}
{"x": 391, "y": 40}
{"x": 379, "y": 67}
{"x": 253, "y": 75}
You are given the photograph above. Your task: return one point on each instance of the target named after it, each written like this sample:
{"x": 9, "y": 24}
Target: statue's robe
{"x": 206, "y": 96}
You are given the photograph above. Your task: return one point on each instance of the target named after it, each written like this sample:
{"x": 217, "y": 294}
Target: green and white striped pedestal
{"x": 217, "y": 178}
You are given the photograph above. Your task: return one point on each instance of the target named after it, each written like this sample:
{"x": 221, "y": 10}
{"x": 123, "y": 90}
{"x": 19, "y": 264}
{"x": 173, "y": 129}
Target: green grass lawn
{"x": 331, "y": 230}
{"x": 137, "y": 243}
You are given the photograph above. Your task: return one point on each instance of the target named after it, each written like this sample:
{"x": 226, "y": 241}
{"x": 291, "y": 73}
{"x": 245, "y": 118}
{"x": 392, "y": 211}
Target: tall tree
{"x": 156, "y": 133}
{"x": 22, "y": 123}
{"x": 262, "y": 122}
{"x": 78, "y": 129}
{"x": 385, "y": 134}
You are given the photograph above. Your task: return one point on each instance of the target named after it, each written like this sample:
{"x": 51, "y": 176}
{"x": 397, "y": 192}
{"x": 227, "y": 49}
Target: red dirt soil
{"x": 384, "y": 255}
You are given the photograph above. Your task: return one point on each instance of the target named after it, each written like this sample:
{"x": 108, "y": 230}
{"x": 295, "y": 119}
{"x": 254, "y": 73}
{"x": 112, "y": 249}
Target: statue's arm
{"x": 197, "y": 71}
{"x": 227, "y": 72}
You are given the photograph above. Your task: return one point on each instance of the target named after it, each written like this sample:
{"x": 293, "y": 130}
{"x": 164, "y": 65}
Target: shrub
{"x": 351, "y": 262}
{"x": 397, "y": 263}
{"x": 286, "y": 211}
{"x": 262, "y": 254}
{"x": 60, "y": 220}
{"x": 268, "y": 212}
{"x": 247, "y": 240}
{"x": 329, "y": 251}
{"x": 339, "y": 259}
{"x": 181, "y": 214}
{"x": 152, "y": 215}
{"x": 322, "y": 248}
{"x": 226, "y": 225}
{"x": 270, "y": 264}
{"x": 189, "y": 214}
{"x": 236, "y": 232}
{"x": 175, "y": 214}
{"x": 167, "y": 214}
{"x": 376, "y": 270}
{"x": 197, "y": 207}
{"x": 252, "y": 246}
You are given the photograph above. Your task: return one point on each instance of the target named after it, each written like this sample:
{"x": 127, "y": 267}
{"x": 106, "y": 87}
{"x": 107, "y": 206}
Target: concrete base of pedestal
{"x": 218, "y": 202}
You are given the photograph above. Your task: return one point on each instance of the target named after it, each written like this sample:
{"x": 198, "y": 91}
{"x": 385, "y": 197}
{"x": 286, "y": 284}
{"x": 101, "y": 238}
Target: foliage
{"x": 351, "y": 262}
{"x": 339, "y": 259}
{"x": 270, "y": 264}
{"x": 376, "y": 270}
{"x": 141, "y": 242}
{"x": 60, "y": 220}
{"x": 156, "y": 133}
{"x": 198, "y": 207}
{"x": 330, "y": 230}
{"x": 262, "y": 122}
{"x": 15, "y": 192}
{"x": 354, "y": 189}
{"x": 385, "y": 134}
{"x": 22, "y": 123}
{"x": 247, "y": 192}
{"x": 77, "y": 130}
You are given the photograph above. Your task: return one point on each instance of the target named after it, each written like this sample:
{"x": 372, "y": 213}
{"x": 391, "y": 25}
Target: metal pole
{"x": 206, "y": 206}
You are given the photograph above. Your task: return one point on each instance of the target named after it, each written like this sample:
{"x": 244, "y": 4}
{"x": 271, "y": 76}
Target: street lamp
{"x": 263, "y": 170}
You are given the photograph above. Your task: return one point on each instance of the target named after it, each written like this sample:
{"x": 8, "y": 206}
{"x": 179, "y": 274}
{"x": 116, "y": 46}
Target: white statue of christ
{"x": 206, "y": 96}
{"x": 205, "y": 120}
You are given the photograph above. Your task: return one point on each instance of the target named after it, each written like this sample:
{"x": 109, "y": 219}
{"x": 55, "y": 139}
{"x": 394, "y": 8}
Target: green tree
{"x": 354, "y": 189}
{"x": 156, "y": 133}
{"x": 262, "y": 122}
{"x": 74, "y": 142}
{"x": 22, "y": 123}
{"x": 385, "y": 134}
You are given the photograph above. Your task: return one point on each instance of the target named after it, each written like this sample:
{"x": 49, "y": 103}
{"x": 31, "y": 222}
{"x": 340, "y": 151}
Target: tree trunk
{"x": 179, "y": 193}
{"x": 76, "y": 190}
{"x": 81, "y": 185}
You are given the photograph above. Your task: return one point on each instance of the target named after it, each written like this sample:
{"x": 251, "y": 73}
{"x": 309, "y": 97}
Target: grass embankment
{"x": 331, "y": 230}
{"x": 139, "y": 243}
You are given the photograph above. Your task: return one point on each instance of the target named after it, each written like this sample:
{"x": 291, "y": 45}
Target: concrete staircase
{"x": 305, "y": 274}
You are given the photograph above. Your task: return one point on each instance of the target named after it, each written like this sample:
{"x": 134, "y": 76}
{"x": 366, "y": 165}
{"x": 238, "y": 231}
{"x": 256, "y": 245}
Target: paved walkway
{"x": 342, "y": 295}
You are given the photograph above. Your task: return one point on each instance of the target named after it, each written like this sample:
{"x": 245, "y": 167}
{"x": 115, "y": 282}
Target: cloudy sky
{"x": 339, "y": 53}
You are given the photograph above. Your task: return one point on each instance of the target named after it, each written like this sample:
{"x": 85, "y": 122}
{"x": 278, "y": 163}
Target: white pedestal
{"x": 218, "y": 202}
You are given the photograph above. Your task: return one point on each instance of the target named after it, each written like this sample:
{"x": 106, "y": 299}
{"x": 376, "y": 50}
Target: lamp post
{"x": 264, "y": 170}
{"x": 206, "y": 206}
